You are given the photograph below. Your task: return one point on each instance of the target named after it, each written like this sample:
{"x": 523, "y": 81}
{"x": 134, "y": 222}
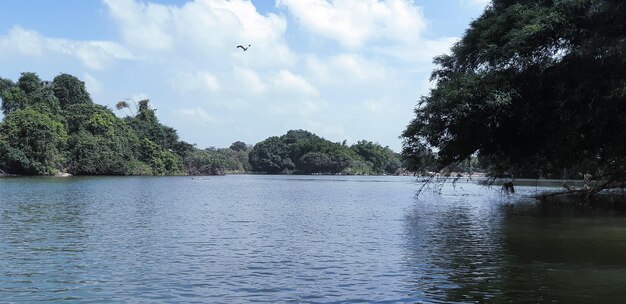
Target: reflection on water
{"x": 455, "y": 246}
{"x": 300, "y": 239}
{"x": 565, "y": 258}
{"x": 484, "y": 248}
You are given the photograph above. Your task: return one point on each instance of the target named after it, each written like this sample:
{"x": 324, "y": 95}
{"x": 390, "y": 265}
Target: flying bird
{"x": 244, "y": 48}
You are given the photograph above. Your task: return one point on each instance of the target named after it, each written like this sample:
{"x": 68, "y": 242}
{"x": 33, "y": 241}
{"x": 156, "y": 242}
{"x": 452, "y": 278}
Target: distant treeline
{"x": 52, "y": 127}
{"x": 303, "y": 152}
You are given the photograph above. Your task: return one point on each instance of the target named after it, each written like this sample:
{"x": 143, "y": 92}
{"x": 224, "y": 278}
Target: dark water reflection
{"x": 477, "y": 247}
{"x": 298, "y": 239}
{"x": 455, "y": 246}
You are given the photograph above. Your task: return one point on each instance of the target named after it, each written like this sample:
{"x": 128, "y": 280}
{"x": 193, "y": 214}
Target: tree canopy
{"x": 300, "y": 151}
{"x": 52, "y": 127}
{"x": 534, "y": 87}
{"x": 32, "y": 143}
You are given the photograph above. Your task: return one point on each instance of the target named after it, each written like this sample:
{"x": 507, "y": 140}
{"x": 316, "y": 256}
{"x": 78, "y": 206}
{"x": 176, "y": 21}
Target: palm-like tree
{"x": 124, "y": 105}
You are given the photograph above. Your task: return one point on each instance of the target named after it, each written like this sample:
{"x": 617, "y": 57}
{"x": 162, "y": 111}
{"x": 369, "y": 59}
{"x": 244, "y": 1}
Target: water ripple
{"x": 290, "y": 239}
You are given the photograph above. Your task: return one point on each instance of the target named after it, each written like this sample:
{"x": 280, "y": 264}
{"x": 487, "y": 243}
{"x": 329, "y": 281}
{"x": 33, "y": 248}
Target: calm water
{"x": 238, "y": 239}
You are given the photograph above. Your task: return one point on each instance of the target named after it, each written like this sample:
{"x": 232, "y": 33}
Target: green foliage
{"x": 145, "y": 112}
{"x": 124, "y": 105}
{"x": 82, "y": 116}
{"x": 44, "y": 101}
{"x": 239, "y": 146}
{"x": 183, "y": 148}
{"x": 313, "y": 162}
{"x": 271, "y": 156}
{"x": 69, "y": 90}
{"x": 146, "y": 124}
{"x": 13, "y": 99}
{"x": 29, "y": 83}
{"x": 532, "y": 86}
{"x": 6, "y": 84}
{"x": 213, "y": 162}
{"x": 32, "y": 143}
{"x": 382, "y": 158}
{"x": 161, "y": 161}
{"x": 94, "y": 154}
{"x": 237, "y": 160}
{"x": 240, "y": 151}
{"x": 29, "y": 92}
{"x": 100, "y": 142}
{"x": 52, "y": 127}
{"x": 300, "y": 151}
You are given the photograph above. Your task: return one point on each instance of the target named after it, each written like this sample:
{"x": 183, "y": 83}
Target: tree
{"x": 70, "y": 90}
{"x": 29, "y": 91}
{"x": 99, "y": 142}
{"x": 124, "y": 105}
{"x": 295, "y": 136}
{"x": 13, "y": 99}
{"x": 148, "y": 126}
{"x": 315, "y": 162}
{"x": 213, "y": 162}
{"x": 532, "y": 85}
{"x": 239, "y": 146}
{"x": 340, "y": 159}
{"x": 300, "y": 151}
{"x": 54, "y": 126}
{"x": 44, "y": 101}
{"x": 93, "y": 154}
{"x": 32, "y": 143}
{"x": 270, "y": 156}
{"x": 29, "y": 82}
{"x": 6, "y": 84}
{"x": 83, "y": 116}
{"x": 382, "y": 158}
{"x": 162, "y": 162}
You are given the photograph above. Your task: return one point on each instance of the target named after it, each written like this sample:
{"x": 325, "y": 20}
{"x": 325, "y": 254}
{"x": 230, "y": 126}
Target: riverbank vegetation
{"x": 535, "y": 89}
{"x": 302, "y": 152}
{"x": 53, "y": 127}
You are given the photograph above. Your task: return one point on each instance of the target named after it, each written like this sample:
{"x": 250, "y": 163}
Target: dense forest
{"x": 53, "y": 127}
{"x": 533, "y": 88}
{"x": 303, "y": 152}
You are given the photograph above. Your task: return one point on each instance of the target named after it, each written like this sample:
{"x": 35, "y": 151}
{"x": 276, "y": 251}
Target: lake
{"x": 304, "y": 239}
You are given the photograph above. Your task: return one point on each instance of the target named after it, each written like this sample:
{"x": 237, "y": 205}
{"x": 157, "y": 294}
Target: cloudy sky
{"x": 343, "y": 69}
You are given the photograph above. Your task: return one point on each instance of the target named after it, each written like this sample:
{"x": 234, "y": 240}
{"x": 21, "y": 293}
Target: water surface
{"x": 312, "y": 239}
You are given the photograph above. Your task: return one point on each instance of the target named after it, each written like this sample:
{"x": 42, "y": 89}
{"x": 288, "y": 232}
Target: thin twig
{"x": 426, "y": 183}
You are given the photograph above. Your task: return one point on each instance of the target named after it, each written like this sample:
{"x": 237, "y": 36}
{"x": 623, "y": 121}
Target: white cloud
{"x": 345, "y": 69}
{"x": 92, "y": 54}
{"x": 375, "y": 105}
{"x": 419, "y": 51}
{"x": 94, "y": 86}
{"x": 353, "y": 23}
{"x": 290, "y": 82}
{"x": 299, "y": 108}
{"x": 196, "y": 115}
{"x": 203, "y": 31}
{"x": 197, "y": 81}
{"x": 23, "y": 41}
{"x": 327, "y": 129}
{"x": 393, "y": 28}
{"x": 250, "y": 80}
{"x": 143, "y": 33}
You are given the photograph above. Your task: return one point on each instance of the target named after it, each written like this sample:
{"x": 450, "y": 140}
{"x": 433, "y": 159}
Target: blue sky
{"x": 343, "y": 69}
